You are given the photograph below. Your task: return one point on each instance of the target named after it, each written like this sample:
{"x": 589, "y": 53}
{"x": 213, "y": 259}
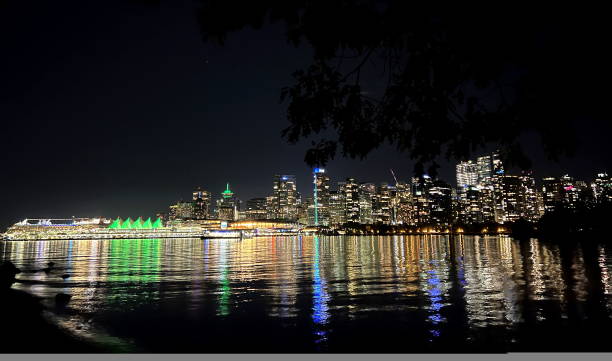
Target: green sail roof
{"x": 127, "y": 224}
{"x": 116, "y": 224}
{"x": 157, "y": 223}
{"x": 147, "y": 224}
{"x": 137, "y": 223}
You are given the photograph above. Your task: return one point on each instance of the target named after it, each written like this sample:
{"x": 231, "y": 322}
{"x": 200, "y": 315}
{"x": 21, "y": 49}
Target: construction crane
{"x": 394, "y": 177}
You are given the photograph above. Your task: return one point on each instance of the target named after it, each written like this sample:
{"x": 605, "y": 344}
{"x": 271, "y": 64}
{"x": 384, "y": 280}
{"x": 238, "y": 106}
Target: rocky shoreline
{"x": 25, "y": 329}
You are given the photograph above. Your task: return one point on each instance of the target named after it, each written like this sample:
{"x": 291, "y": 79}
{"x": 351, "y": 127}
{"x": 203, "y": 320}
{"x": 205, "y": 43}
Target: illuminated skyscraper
{"x": 467, "y": 174}
{"x": 529, "y": 198}
{"x": 484, "y": 168}
{"x": 227, "y": 205}
{"x": 337, "y": 215}
{"x": 367, "y": 192}
{"x": 602, "y": 188}
{"x": 181, "y": 210}
{"x": 381, "y": 205}
{"x": 421, "y": 202}
{"x": 284, "y": 198}
{"x": 320, "y": 207}
{"x": 440, "y": 201}
{"x": 402, "y": 204}
{"x": 350, "y": 197}
{"x": 201, "y": 203}
{"x": 552, "y": 193}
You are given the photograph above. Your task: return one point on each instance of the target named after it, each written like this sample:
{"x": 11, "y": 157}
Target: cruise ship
{"x": 103, "y": 228}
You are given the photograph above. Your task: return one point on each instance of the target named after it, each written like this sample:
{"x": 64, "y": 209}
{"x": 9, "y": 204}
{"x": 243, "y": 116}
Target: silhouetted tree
{"x": 453, "y": 79}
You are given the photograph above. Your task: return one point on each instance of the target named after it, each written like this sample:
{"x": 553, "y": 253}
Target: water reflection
{"x": 320, "y": 296}
{"x": 429, "y": 283}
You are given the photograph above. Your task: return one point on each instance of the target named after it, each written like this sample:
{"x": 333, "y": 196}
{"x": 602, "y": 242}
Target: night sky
{"x": 120, "y": 109}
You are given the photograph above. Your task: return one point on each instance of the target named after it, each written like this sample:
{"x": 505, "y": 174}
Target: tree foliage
{"x": 434, "y": 82}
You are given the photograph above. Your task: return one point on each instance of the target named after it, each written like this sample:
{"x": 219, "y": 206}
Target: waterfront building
{"x": 303, "y": 210}
{"x": 181, "y": 210}
{"x": 256, "y": 209}
{"x": 284, "y": 200}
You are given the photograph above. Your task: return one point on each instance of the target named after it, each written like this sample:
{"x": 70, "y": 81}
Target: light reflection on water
{"x": 318, "y": 285}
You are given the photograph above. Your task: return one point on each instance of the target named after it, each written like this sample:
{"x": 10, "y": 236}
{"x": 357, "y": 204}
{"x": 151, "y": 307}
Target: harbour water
{"x": 327, "y": 294}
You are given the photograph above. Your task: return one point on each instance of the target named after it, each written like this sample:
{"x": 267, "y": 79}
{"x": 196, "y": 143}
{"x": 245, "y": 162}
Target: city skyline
{"x": 485, "y": 192}
{"x": 171, "y": 105}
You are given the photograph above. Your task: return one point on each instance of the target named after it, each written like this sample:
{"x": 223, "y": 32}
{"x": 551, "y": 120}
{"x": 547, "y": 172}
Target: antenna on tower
{"x": 394, "y": 177}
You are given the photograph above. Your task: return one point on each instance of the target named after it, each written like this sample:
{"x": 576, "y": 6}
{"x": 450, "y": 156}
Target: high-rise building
{"x": 402, "y": 204}
{"x": 337, "y": 215}
{"x": 552, "y": 193}
{"x": 484, "y": 168}
{"x": 367, "y": 193}
{"x": 181, "y": 210}
{"x": 381, "y": 206}
{"x": 440, "y": 202}
{"x": 320, "y": 206}
{"x": 201, "y": 203}
{"x": 421, "y": 202}
{"x": 350, "y": 196}
{"x": 602, "y": 188}
{"x": 510, "y": 198}
{"x": 467, "y": 174}
{"x": 227, "y": 205}
{"x": 256, "y": 209}
{"x": 529, "y": 198}
{"x": 284, "y": 198}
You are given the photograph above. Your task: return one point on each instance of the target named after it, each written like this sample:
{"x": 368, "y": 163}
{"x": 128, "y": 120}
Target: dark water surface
{"x": 329, "y": 294}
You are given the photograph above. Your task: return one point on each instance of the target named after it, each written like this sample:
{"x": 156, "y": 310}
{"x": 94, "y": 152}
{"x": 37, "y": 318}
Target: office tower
{"x": 440, "y": 202}
{"x": 467, "y": 174}
{"x": 303, "y": 210}
{"x": 227, "y": 205}
{"x": 320, "y": 207}
{"x": 484, "y": 169}
{"x": 201, "y": 203}
{"x": 497, "y": 163}
{"x": 421, "y": 203}
{"x": 181, "y": 211}
{"x": 256, "y": 209}
{"x": 350, "y": 196}
{"x": 337, "y": 215}
{"x": 402, "y": 204}
{"x": 381, "y": 205}
{"x": 285, "y": 198}
{"x": 510, "y": 198}
{"x": 270, "y": 211}
{"x": 552, "y": 193}
{"x": 602, "y": 188}
{"x": 529, "y": 198}
{"x": 367, "y": 193}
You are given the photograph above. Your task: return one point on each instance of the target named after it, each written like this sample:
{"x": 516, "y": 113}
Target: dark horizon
{"x": 121, "y": 110}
